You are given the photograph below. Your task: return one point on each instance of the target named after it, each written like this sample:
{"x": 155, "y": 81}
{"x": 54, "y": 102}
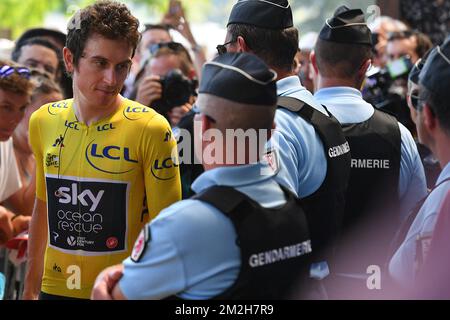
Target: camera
{"x": 386, "y": 89}
{"x": 177, "y": 91}
{"x": 381, "y": 84}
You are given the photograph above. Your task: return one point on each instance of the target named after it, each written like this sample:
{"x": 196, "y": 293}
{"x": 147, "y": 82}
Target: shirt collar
{"x": 237, "y": 176}
{"x": 338, "y": 91}
{"x": 445, "y": 174}
{"x": 289, "y": 83}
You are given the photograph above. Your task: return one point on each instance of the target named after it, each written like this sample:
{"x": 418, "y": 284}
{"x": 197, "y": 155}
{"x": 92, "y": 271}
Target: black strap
{"x": 292, "y": 104}
{"x": 227, "y": 199}
{"x": 216, "y": 196}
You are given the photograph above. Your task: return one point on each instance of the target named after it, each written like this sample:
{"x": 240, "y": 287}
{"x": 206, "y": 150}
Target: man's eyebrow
{"x": 32, "y": 60}
{"x": 105, "y": 59}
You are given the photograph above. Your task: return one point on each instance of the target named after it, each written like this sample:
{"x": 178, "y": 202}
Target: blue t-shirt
{"x": 192, "y": 252}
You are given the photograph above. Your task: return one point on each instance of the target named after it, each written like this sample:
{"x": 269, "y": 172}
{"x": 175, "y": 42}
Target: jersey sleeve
{"x": 161, "y": 168}
{"x": 36, "y": 146}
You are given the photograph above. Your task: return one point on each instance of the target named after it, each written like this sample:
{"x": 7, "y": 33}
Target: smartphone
{"x": 399, "y": 67}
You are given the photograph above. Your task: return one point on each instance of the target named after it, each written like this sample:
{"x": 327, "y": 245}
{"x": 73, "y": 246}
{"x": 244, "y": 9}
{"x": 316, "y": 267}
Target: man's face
{"x": 152, "y": 37}
{"x": 422, "y": 132}
{"x": 303, "y": 59}
{"x": 402, "y": 47}
{"x": 39, "y": 57}
{"x": 412, "y": 100}
{"x": 12, "y": 110}
{"x": 161, "y": 66}
{"x": 233, "y": 46}
{"x": 101, "y": 71}
{"x": 36, "y": 103}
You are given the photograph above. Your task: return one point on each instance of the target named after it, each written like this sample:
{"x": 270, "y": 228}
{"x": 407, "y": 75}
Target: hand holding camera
{"x": 149, "y": 90}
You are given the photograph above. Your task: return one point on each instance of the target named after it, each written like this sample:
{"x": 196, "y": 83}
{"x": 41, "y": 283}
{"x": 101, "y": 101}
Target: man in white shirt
{"x": 15, "y": 92}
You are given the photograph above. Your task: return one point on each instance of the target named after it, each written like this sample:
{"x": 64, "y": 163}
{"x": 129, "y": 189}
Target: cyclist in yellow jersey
{"x": 105, "y": 165}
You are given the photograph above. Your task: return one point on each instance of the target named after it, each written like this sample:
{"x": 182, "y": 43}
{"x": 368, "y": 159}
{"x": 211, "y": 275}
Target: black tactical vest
{"x": 325, "y": 207}
{"x": 372, "y": 203}
{"x": 274, "y": 242}
{"x": 375, "y": 168}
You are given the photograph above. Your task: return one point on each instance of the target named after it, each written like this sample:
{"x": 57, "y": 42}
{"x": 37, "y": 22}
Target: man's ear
{"x": 429, "y": 118}
{"x": 312, "y": 58}
{"x": 364, "y": 68}
{"x": 242, "y": 45}
{"x": 206, "y": 123}
{"x": 68, "y": 60}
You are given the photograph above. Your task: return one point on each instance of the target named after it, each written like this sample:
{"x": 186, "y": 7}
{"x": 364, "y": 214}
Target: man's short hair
{"x": 158, "y": 26}
{"x": 112, "y": 20}
{"x": 15, "y": 82}
{"x": 423, "y": 42}
{"x": 43, "y": 84}
{"x": 186, "y": 65}
{"x": 276, "y": 47}
{"x": 439, "y": 107}
{"x": 17, "y": 52}
{"x": 340, "y": 59}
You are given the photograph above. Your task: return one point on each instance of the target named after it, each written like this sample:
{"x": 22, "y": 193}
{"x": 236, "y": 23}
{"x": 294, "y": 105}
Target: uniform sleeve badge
{"x": 141, "y": 244}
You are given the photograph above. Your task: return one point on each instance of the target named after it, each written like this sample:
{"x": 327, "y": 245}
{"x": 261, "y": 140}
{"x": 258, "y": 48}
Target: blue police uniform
{"x": 300, "y": 151}
{"x": 348, "y": 106}
{"x": 209, "y": 262}
{"x": 408, "y": 257}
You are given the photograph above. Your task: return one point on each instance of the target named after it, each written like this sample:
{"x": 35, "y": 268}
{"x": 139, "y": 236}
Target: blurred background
{"x": 208, "y": 17}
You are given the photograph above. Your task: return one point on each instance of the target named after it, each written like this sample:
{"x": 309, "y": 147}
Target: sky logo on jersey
{"x": 87, "y": 215}
{"x": 165, "y": 170}
{"x": 57, "y": 107}
{"x": 136, "y": 112}
{"x": 103, "y": 157}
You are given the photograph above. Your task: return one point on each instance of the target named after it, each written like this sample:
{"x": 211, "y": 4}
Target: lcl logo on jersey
{"x": 57, "y": 107}
{"x": 161, "y": 167}
{"x": 106, "y": 127}
{"x": 135, "y": 113}
{"x": 99, "y": 158}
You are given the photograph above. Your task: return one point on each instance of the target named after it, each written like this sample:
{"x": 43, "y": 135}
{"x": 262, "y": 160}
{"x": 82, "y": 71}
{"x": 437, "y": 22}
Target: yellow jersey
{"x": 102, "y": 183}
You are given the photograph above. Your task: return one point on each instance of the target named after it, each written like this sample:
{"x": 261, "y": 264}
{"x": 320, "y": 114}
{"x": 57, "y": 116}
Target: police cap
{"x": 240, "y": 77}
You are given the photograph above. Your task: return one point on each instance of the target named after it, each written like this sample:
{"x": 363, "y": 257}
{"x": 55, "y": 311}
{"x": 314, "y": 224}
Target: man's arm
{"x": 11, "y": 225}
{"x": 161, "y": 168}
{"x": 105, "y": 287}
{"x": 37, "y": 243}
{"x": 22, "y": 201}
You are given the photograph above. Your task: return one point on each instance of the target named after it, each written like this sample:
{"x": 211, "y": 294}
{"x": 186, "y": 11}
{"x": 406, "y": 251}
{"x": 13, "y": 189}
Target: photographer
{"x": 169, "y": 87}
{"x": 387, "y": 88}
{"x": 169, "y": 82}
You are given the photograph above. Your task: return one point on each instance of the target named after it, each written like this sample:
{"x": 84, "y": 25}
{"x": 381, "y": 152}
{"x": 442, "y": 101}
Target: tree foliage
{"x": 19, "y": 15}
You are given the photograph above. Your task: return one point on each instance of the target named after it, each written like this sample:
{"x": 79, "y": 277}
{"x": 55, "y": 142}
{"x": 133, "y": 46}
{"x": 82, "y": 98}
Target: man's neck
{"x": 442, "y": 151}
{"x": 327, "y": 82}
{"x": 281, "y": 74}
{"x": 89, "y": 114}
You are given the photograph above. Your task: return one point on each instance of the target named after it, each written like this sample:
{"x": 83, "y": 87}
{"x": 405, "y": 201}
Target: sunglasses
{"x": 7, "y": 71}
{"x": 174, "y": 46}
{"x": 399, "y": 35}
{"x": 222, "y": 48}
{"x": 414, "y": 101}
